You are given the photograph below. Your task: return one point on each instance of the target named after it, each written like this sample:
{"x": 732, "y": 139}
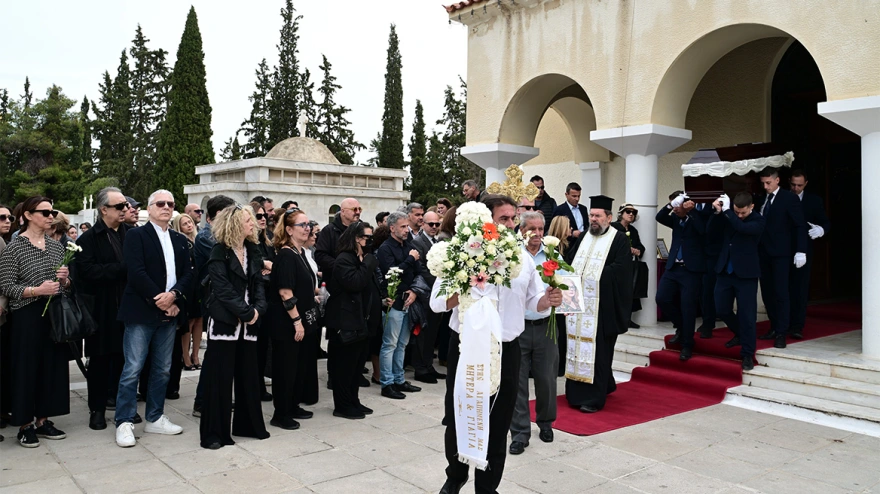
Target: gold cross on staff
{"x": 513, "y": 187}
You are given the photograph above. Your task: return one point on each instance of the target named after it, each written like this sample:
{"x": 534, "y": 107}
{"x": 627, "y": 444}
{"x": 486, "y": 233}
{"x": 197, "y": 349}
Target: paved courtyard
{"x": 400, "y": 449}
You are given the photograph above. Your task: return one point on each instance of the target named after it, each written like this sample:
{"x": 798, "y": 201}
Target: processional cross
{"x": 513, "y": 186}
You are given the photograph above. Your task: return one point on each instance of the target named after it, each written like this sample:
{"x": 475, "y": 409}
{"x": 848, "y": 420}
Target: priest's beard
{"x": 597, "y": 229}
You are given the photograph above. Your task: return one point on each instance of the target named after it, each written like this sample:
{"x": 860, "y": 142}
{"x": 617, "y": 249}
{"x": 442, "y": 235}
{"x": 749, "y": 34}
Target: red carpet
{"x": 667, "y": 386}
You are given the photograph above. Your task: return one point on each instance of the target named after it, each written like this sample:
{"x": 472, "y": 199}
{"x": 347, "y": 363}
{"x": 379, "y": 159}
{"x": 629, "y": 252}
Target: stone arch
{"x": 676, "y": 88}
{"x": 564, "y": 95}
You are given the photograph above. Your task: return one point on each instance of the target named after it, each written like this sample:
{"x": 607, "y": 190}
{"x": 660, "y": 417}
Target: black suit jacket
{"x": 786, "y": 230}
{"x": 146, "y": 277}
{"x": 421, "y": 243}
{"x": 691, "y": 238}
{"x": 814, "y": 212}
{"x": 740, "y": 245}
{"x": 564, "y": 209}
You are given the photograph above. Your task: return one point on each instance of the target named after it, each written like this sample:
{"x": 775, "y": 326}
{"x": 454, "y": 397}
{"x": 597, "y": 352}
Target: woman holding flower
{"x": 626, "y": 216}
{"x": 29, "y": 274}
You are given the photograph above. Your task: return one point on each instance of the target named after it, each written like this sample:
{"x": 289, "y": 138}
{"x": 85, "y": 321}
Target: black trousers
{"x": 423, "y": 354}
{"x": 104, "y": 371}
{"x": 774, "y": 291}
{"x": 5, "y": 368}
{"x": 562, "y": 343}
{"x": 680, "y": 281}
{"x": 743, "y": 323}
{"x": 707, "y": 300}
{"x": 228, "y": 362}
{"x": 39, "y": 367}
{"x": 345, "y": 364}
{"x": 799, "y": 282}
{"x": 285, "y": 357}
{"x": 486, "y": 481}
{"x": 443, "y": 336}
{"x": 262, "y": 356}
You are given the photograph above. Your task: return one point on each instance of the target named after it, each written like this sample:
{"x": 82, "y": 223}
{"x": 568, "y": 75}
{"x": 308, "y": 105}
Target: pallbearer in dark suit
{"x": 684, "y": 268}
{"x": 799, "y": 279}
{"x": 785, "y": 229}
{"x": 738, "y": 270}
{"x": 712, "y": 243}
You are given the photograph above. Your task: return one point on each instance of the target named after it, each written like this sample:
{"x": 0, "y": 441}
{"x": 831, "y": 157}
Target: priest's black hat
{"x": 601, "y": 202}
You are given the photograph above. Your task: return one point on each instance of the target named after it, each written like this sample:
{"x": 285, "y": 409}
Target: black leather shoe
{"x": 685, "y": 354}
{"x": 633, "y": 325}
{"x": 97, "y": 421}
{"x": 349, "y": 414}
{"x": 452, "y": 487}
{"x": 438, "y": 375}
{"x": 748, "y": 364}
{"x": 364, "y": 409}
{"x": 797, "y": 335}
{"x": 588, "y": 409}
{"x": 769, "y": 335}
{"x": 137, "y": 419}
{"x": 407, "y": 387}
{"x": 426, "y": 378}
{"x": 375, "y": 381}
{"x": 392, "y": 392}
{"x": 286, "y": 424}
{"x": 363, "y": 382}
{"x": 173, "y": 395}
{"x": 267, "y": 396}
{"x": 706, "y": 333}
{"x": 546, "y": 435}
{"x": 214, "y": 445}
{"x": 676, "y": 338}
{"x": 302, "y": 414}
{"x": 732, "y": 342}
{"x": 517, "y": 447}
{"x": 780, "y": 342}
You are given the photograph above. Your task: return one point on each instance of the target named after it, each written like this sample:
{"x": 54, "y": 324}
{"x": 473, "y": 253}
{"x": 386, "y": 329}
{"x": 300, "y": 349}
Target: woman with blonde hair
{"x": 58, "y": 231}
{"x": 236, "y": 301}
{"x": 184, "y": 224}
{"x": 560, "y": 228}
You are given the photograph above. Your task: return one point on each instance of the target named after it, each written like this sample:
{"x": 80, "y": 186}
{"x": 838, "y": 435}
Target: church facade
{"x": 617, "y": 95}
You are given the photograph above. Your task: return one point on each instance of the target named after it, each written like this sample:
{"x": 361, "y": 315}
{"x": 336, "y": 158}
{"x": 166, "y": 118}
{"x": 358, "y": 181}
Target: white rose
{"x": 462, "y": 256}
{"x": 471, "y": 263}
{"x": 448, "y": 264}
{"x": 557, "y": 280}
{"x": 455, "y": 241}
{"x": 499, "y": 279}
{"x": 490, "y": 249}
{"x": 508, "y": 253}
{"x": 461, "y": 276}
{"x": 481, "y": 258}
{"x": 467, "y": 230}
{"x": 551, "y": 241}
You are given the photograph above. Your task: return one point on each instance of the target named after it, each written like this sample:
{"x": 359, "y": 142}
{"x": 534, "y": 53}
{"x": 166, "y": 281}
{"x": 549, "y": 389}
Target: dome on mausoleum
{"x": 303, "y": 149}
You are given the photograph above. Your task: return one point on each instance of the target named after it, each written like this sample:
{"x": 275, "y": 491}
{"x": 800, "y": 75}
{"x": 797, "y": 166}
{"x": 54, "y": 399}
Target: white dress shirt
{"x": 578, "y": 217}
{"x": 168, "y": 251}
{"x": 524, "y": 294}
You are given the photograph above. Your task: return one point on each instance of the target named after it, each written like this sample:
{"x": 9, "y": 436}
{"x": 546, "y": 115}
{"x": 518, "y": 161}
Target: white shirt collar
{"x": 801, "y": 195}
{"x": 159, "y": 229}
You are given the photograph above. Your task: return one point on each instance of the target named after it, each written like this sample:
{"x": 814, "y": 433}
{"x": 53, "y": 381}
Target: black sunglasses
{"x": 162, "y": 204}
{"x": 630, "y": 211}
{"x": 541, "y": 187}
{"x": 4, "y": 217}
{"x": 261, "y": 216}
{"x": 433, "y": 224}
{"x": 122, "y": 206}
{"x": 46, "y": 212}
{"x": 199, "y": 211}
{"x": 368, "y": 237}
{"x": 528, "y": 208}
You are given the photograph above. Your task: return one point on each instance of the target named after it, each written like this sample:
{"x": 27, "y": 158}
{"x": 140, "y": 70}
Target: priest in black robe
{"x": 587, "y": 386}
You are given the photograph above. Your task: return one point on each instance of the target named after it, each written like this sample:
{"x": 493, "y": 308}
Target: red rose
{"x": 548, "y": 273}
{"x": 550, "y": 266}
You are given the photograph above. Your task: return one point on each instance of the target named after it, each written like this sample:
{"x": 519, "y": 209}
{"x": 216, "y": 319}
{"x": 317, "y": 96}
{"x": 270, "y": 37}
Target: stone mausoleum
{"x": 303, "y": 170}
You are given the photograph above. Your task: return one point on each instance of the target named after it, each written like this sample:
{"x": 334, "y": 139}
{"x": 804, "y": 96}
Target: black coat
{"x": 100, "y": 275}
{"x": 352, "y": 305}
{"x": 422, "y": 244}
{"x": 145, "y": 263}
{"x": 564, "y": 209}
{"x": 740, "y": 245}
{"x": 325, "y": 247}
{"x": 634, "y": 239}
{"x": 786, "y": 231}
{"x": 691, "y": 238}
{"x": 226, "y": 303}
{"x": 814, "y": 212}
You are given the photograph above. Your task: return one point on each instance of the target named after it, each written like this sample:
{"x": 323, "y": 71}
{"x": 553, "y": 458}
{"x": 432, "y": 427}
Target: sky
{"x": 71, "y": 44}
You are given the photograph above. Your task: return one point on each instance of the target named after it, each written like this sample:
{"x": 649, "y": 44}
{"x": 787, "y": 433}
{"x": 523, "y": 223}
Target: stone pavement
{"x": 400, "y": 449}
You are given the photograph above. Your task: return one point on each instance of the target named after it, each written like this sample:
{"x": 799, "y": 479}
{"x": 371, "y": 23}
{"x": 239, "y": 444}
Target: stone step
{"x": 816, "y": 386}
{"x": 634, "y": 354}
{"x": 626, "y": 367}
{"x": 859, "y": 369}
{"x": 829, "y": 407}
{"x": 644, "y": 338}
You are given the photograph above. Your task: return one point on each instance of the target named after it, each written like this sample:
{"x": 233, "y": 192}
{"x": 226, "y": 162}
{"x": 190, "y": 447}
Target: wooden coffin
{"x": 712, "y": 172}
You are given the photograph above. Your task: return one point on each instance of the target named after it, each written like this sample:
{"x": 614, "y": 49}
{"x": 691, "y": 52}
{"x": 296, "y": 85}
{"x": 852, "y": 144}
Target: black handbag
{"x": 71, "y": 321}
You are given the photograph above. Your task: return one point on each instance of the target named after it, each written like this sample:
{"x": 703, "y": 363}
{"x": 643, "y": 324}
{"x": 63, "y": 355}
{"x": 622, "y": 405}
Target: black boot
{"x": 97, "y": 420}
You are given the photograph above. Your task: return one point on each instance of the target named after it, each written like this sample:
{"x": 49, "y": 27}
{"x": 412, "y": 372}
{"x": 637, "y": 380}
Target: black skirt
{"x": 38, "y": 367}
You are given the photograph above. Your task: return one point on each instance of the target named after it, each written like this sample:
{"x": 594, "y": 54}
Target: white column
{"x": 591, "y": 180}
{"x": 862, "y": 116}
{"x": 496, "y": 157}
{"x": 641, "y": 145}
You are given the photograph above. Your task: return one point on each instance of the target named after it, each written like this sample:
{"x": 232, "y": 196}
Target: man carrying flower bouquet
{"x": 521, "y": 289}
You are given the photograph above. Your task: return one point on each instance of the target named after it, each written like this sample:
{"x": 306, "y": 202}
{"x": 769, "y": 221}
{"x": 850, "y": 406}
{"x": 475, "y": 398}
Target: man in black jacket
{"x": 543, "y": 203}
{"x": 785, "y": 233}
{"x": 818, "y": 226}
{"x": 578, "y": 215}
{"x": 738, "y": 270}
{"x": 397, "y": 252}
{"x": 325, "y": 247}
{"x": 159, "y": 270}
{"x": 423, "y": 357}
{"x": 101, "y": 272}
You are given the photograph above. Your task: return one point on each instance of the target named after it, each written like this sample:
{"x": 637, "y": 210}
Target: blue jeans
{"x": 141, "y": 340}
{"x": 394, "y": 340}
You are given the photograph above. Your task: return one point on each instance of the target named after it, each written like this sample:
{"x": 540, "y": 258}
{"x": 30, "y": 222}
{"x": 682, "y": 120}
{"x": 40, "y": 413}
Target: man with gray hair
{"x": 471, "y": 191}
{"x": 415, "y": 213}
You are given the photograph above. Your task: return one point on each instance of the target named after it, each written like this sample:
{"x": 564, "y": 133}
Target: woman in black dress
{"x": 39, "y": 369}
{"x": 354, "y": 306}
{"x": 236, "y": 302}
{"x": 626, "y": 216}
{"x": 267, "y": 250}
{"x": 293, "y": 317}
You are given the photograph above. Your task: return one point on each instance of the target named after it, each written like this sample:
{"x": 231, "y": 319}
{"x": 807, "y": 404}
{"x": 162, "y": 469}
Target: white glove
{"x": 725, "y": 202}
{"x": 678, "y": 201}
{"x": 816, "y": 231}
{"x": 800, "y": 259}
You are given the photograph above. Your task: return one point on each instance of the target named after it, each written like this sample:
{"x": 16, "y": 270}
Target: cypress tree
{"x": 112, "y": 127}
{"x": 86, "y": 141}
{"x": 149, "y": 88}
{"x": 391, "y": 145}
{"x": 256, "y": 127}
{"x": 427, "y": 181}
{"x": 307, "y": 105}
{"x": 28, "y": 96}
{"x": 185, "y": 136}
{"x": 458, "y": 169}
{"x": 332, "y": 125}
{"x": 284, "y": 109}
{"x": 231, "y": 150}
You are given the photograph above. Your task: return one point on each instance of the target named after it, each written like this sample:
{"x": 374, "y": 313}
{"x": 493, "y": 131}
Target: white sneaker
{"x": 268, "y": 381}
{"x": 163, "y": 426}
{"x": 125, "y": 435}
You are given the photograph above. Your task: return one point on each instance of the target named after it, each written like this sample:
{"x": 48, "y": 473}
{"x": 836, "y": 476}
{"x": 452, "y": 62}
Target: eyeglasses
{"x": 356, "y": 210}
{"x": 528, "y": 208}
{"x": 162, "y": 204}
{"x": 199, "y": 211}
{"x": 630, "y": 211}
{"x": 261, "y": 216}
{"x": 433, "y": 224}
{"x": 305, "y": 225}
{"x": 4, "y": 217}
{"x": 122, "y": 206}
{"x": 367, "y": 237}
{"x": 46, "y": 212}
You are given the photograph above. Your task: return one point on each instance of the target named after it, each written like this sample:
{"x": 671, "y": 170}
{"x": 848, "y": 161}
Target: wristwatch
{"x": 177, "y": 294}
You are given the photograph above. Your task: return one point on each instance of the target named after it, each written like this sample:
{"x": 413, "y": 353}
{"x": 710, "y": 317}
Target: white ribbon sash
{"x": 472, "y": 381}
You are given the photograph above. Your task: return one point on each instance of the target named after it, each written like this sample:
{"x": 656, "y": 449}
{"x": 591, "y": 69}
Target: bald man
{"x": 195, "y": 212}
{"x": 325, "y": 249}
{"x": 423, "y": 357}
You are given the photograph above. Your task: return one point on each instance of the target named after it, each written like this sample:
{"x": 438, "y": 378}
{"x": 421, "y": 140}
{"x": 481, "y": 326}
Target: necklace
{"x": 239, "y": 253}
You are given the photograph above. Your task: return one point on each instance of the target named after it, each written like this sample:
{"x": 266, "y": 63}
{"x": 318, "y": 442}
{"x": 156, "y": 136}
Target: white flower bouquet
{"x": 69, "y": 252}
{"x": 393, "y": 277}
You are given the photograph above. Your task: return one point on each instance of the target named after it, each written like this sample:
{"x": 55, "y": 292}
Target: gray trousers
{"x": 540, "y": 354}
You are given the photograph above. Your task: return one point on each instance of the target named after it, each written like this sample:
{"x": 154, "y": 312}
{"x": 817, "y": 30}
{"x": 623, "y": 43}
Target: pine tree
{"x": 427, "y": 180}
{"x": 28, "y": 95}
{"x": 4, "y": 105}
{"x": 391, "y": 145}
{"x": 332, "y": 125}
{"x": 113, "y": 128}
{"x": 284, "y": 109}
{"x": 456, "y": 167}
{"x": 185, "y": 136}
{"x": 256, "y": 127}
{"x": 85, "y": 154}
{"x": 231, "y": 150}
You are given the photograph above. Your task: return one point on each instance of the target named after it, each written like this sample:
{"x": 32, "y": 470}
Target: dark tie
{"x": 769, "y": 203}
{"x": 678, "y": 256}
